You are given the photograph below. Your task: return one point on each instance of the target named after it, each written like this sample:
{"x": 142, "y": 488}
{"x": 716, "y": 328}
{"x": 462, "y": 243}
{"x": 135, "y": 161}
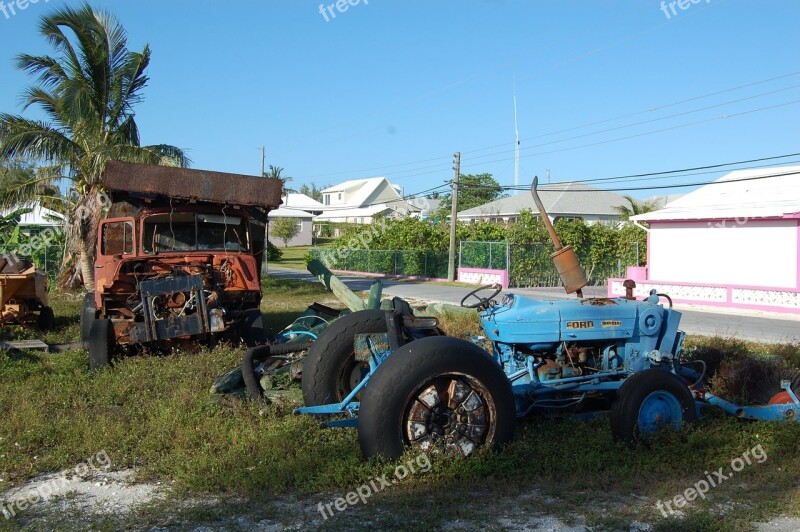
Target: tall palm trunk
{"x": 86, "y": 265}
{"x": 82, "y": 234}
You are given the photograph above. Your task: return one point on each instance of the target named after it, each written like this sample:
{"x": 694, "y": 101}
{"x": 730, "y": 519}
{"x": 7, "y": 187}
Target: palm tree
{"x": 275, "y": 172}
{"x": 87, "y": 93}
{"x": 635, "y": 207}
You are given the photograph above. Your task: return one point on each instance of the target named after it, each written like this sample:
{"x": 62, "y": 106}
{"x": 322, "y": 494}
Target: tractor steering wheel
{"x": 483, "y": 302}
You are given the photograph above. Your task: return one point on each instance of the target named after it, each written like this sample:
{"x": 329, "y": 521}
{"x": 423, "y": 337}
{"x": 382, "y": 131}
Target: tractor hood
{"x": 522, "y": 320}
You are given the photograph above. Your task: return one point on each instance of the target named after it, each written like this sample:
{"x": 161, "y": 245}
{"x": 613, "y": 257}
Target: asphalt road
{"x": 772, "y": 328}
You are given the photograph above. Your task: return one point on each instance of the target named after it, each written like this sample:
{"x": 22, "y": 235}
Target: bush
{"x": 273, "y": 252}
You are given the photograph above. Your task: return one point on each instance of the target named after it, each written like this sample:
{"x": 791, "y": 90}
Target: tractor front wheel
{"x": 436, "y": 394}
{"x": 649, "y": 401}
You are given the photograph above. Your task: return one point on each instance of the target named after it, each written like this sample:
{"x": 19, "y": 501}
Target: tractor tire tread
{"x": 385, "y": 396}
{"x": 331, "y": 349}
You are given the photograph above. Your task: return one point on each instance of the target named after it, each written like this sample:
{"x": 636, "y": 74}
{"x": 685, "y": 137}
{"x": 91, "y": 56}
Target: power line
{"x": 446, "y": 159}
{"x": 664, "y": 173}
{"x": 642, "y": 122}
{"x": 653, "y": 109}
{"x": 647, "y": 133}
{"x": 660, "y": 187}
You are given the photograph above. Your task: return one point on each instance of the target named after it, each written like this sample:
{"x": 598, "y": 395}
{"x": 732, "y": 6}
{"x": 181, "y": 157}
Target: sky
{"x": 394, "y": 87}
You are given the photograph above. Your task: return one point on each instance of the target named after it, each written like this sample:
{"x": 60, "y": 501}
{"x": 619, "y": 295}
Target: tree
{"x": 312, "y": 192}
{"x": 275, "y": 172}
{"x": 87, "y": 92}
{"x": 635, "y": 207}
{"x": 16, "y": 173}
{"x": 473, "y": 190}
{"x": 285, "y": 229}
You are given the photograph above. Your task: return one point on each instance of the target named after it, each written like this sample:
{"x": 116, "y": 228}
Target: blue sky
{"x": 389, "y": 83}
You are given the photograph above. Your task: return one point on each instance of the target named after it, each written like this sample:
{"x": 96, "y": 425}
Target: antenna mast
{"x": 516, "y": 142}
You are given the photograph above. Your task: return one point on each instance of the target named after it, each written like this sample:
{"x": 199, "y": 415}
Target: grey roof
{"x": 559, "y": 199}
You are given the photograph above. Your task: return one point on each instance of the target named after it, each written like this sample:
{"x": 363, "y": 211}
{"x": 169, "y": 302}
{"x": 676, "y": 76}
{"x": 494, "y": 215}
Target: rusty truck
{"x": 178, "y": 260}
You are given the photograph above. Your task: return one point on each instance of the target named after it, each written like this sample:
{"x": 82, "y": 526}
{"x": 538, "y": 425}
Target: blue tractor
{"x": 403, "y": 383}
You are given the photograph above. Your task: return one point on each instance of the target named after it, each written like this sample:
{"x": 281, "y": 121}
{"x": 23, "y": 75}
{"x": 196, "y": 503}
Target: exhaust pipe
{"x": 564, "y": 257}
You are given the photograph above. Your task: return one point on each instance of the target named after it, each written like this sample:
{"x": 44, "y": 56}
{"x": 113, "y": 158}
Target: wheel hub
{"x": 448, "y": 411}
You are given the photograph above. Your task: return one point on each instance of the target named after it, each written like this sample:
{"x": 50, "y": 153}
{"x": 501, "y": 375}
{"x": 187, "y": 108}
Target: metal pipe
{"x": 546, "y": 219}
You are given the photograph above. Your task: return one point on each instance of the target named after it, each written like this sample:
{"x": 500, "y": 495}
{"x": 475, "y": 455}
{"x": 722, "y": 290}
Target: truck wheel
{"x": 252, "y": 328}
{"x": 436, "y": 393}
{"x": 88, "y": 315}
{"x": 101, "y": 344}
{"x": 330, "y": 371}
{"x": 648, "y": 401}
{"x": 47, "y": 319}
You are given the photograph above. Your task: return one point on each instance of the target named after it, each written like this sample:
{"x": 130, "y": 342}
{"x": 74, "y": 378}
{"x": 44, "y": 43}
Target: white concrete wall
{"x": 739, "y": 252}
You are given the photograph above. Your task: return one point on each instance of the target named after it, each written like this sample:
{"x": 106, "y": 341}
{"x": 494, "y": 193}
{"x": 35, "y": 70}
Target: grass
{"x": 294, "y": 257}
{"x": 157, "y": 415}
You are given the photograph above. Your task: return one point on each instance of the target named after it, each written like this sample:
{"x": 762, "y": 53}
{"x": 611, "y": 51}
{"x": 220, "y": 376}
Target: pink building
{"x": 732, "y": 243}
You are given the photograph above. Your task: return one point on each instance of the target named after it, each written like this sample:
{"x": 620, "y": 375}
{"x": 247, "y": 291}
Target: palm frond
{"x": 170, "y": 155}
{"x": 35, "y": 140}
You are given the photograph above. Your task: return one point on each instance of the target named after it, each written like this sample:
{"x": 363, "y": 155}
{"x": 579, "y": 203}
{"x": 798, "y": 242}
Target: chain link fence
{"x": 411, "y": 263}
{"x": 530, "y": 265}
{"x": 490, "y": 255}
{"x": 46, "y": 258}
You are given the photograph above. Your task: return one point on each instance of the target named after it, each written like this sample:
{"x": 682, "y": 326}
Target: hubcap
{"x": 453, "y": 412}
{"x": 658, "y": 410}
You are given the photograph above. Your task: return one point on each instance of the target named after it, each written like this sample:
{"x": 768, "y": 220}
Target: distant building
{"x": 359, "y": 200}
{"x": 36, "y": 221}
{"x": 305, "y": 210}
{"x": 428, "y": 207}
{"x": 568, "y": 201}
{"x": 734, "y": 243}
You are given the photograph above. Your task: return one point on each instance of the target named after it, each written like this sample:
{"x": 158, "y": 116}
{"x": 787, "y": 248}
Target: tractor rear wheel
{"x": 436, "y": 393}
{"x": 648, "y": 401}
{"x": 331, "y": 371}
{"x": 101, "y": 344}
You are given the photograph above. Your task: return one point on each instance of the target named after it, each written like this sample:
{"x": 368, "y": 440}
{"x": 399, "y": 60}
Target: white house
{"x": 734, "y": 243}
{"x": 561, "y": 200}
{"x": 38, "y": 219}
{"x": 358, "y": 200}
{"x": 304, "y": 209}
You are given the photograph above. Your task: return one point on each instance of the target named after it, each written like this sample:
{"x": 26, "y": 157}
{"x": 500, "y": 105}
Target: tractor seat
{"x": 416, "y": 327}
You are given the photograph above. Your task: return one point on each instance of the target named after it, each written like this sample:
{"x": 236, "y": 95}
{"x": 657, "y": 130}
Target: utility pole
{"x": 263, "y": 160}
{"x": 451, "y": 265}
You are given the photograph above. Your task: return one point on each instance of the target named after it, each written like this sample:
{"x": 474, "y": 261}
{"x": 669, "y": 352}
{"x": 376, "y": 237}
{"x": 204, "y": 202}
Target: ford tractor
{"x": 403, "y": 383}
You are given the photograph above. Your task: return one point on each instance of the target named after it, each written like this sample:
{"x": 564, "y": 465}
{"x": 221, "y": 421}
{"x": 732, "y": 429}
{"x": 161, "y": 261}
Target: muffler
{"x": 564, "y": 257}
